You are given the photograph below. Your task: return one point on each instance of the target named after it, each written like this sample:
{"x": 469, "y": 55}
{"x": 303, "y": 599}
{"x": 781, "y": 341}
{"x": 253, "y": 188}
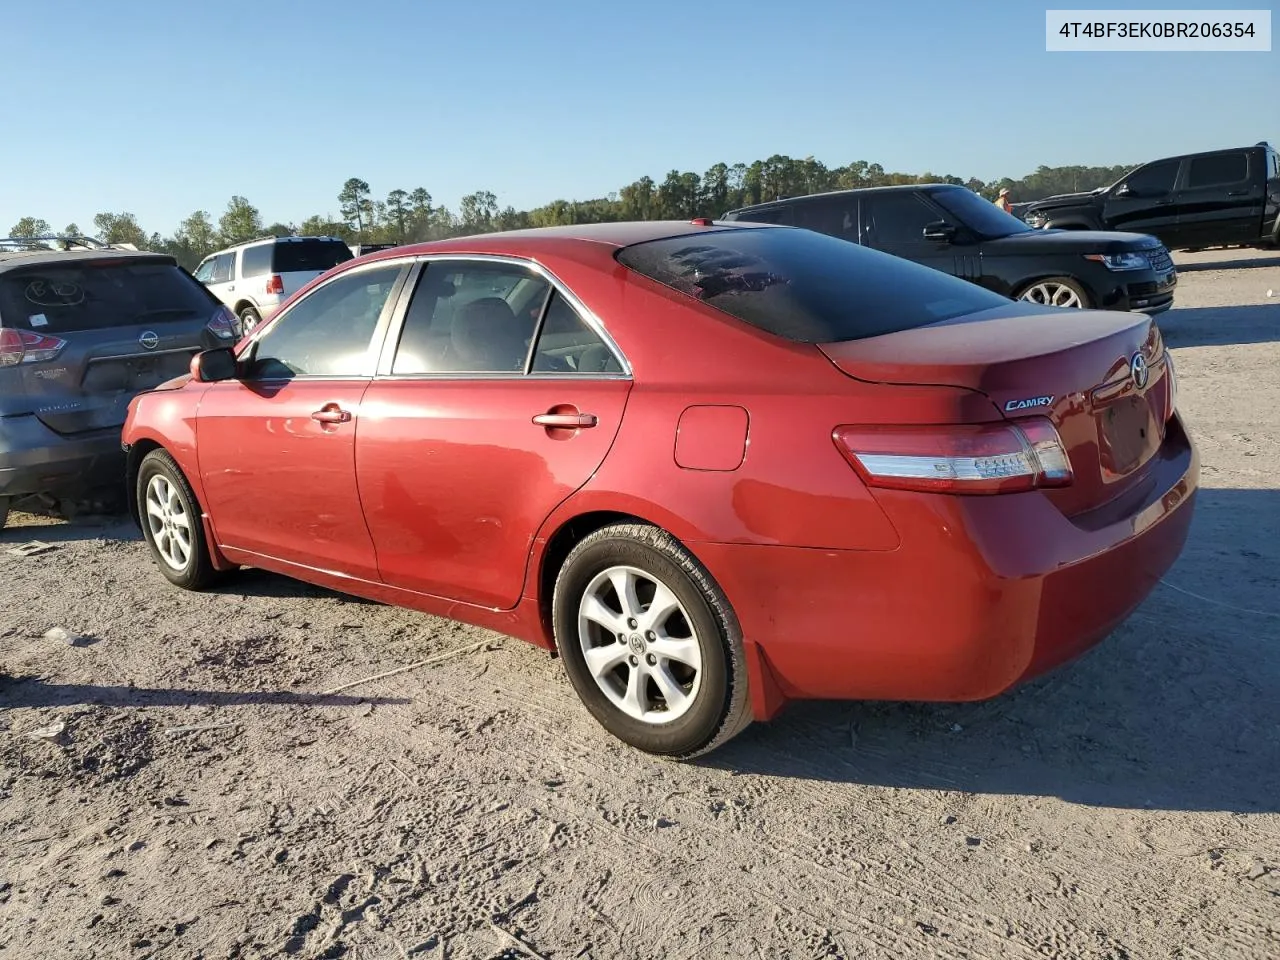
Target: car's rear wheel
{"x": 650, "y": 642}
{"x": 4, "y": 511}
{"x": 1056, "y": 292}
{"x": 171, "y": 523}
{"x": 249, "y": 318}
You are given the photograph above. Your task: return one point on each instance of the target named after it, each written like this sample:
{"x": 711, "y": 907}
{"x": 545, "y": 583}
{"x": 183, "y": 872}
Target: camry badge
{"x": 1141, "y": 374}
{"x": 1028, "y": 403}
{"x": 149, "y": 339}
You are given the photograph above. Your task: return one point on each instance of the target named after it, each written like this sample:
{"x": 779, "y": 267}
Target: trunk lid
{"x": 1075, "y": 367}
{"x": 96, "y": 334}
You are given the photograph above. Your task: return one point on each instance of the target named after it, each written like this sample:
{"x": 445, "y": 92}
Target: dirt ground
{"x": 203, "y": 800}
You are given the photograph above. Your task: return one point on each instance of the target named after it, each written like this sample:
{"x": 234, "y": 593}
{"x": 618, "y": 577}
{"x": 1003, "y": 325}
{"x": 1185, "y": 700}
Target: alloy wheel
{"x": 1052, "y": 294}
{"x": 168, "y": 522}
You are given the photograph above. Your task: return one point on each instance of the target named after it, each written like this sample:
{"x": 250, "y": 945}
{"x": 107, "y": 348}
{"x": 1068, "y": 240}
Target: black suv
{"x": 1223, "y": 198}
{"x": 83, "y": 328}
{"x": 952, "y": 229}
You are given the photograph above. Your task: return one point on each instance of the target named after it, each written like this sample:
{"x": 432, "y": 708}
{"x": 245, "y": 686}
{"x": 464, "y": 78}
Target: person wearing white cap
{"x": 1002, "y": 201}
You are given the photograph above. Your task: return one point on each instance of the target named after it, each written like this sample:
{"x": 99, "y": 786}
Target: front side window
{"x": 898, "y": 218}
{"x": 1218, "y": 170}
{"x": 223, "y": 268}
{"x": 328, "y": 332}
{"x": 1154, "y": 180}
{"x": 204, "y": 272}
{"x": 471, "y": 316}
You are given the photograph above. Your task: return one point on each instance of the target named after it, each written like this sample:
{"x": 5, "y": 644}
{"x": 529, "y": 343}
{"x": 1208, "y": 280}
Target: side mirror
{"x": 939, "y": 232}
{"x": 1124, "y": 190}
{"x": 210, "y": 366}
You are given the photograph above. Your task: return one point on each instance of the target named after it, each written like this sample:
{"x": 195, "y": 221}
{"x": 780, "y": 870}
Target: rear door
{"x": 299, "y": 260}
{"x": 467, "y": 443}
{"x": 95, "y": 332}
{"x": 1144, "y": 202}
{"x": 1221, "y": 198}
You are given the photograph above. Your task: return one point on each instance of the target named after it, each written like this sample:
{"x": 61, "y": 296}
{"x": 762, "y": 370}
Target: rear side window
{"x": 299, "y": 256}
{"x": 62, "y": 298}
{"x": 255, "y": 261}
{"x": 806, "y": 286}
{"x": 1221, "y": 168}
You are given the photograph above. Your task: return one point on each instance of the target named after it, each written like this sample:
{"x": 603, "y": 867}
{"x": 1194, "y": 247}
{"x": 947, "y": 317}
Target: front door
{"x": 471, "y": 439}
{"x": 894, "y": 222}
{"x": 1145, "y": 202}
{"x": 277, "y": 447}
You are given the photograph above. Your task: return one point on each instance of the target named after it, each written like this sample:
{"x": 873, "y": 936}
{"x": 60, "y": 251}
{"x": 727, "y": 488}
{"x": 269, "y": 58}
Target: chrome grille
{"x": 1160, "y": 260}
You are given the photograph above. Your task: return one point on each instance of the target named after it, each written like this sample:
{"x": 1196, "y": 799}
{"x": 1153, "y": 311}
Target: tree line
{"x": 410, "y": 216}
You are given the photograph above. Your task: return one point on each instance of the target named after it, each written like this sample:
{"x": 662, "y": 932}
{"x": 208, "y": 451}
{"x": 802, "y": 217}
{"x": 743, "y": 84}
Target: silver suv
{"x": 83, "y": 328}
{"x": 255, "y": 277}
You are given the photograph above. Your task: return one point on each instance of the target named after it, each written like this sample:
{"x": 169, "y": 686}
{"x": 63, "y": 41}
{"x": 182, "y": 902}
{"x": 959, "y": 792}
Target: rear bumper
{"x": 983, "y": 594}
{"x": 35, "y": 459}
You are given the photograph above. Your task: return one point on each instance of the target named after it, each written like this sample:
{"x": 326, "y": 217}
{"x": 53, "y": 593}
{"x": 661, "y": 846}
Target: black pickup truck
{"x": 1222, "y": 198}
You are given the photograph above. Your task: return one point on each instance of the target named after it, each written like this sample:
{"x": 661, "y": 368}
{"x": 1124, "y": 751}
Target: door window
{"x": 471, "y": 316}
{"x": 566, "y": 344}
{"x": 328, "y": 332}
{"x": 1219, "y": 169}
{"x": 204, "y": 272}
{"x": 898, "y": 218}
{"x": 223, "y": 267}
{"x": 1154, "y": 180}
{"x": 837, "y": 216}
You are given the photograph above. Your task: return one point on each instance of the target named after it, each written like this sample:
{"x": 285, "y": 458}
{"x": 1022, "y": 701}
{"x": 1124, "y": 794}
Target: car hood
{"x": 1063, "y": 200}
{"x": 1035, "y": 242}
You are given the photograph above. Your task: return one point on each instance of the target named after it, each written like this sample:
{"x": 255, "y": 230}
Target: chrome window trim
{"x": 593, "y": 322}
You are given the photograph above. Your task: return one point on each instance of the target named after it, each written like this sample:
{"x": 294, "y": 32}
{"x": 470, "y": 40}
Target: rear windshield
{"x": 805, "y": 286}
{"x": 295, "y": 256}
{"x": 94, "y": 296}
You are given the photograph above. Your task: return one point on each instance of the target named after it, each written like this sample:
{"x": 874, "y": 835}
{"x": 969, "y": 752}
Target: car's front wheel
{"x": 650, "y": 643}
{"x": 1056, "y": 292}
{"x": 171, "y": 523}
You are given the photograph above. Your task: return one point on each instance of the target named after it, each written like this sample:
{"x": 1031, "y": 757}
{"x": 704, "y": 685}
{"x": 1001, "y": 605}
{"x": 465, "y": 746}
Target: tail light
{"x": 275, "y": 283}
{"x": 24, "y": 346}
{"x": 967, "y": 458}
{"x": 224, "y": 324}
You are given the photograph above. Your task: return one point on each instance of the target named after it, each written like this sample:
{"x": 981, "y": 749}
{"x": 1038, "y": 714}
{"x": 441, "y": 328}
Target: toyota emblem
{"x": 1138, "y": 367}
{"x": 149, "y": 339}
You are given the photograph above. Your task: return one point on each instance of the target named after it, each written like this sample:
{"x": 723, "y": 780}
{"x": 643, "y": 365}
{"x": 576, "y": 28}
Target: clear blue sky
{"x": 162, "y": 107}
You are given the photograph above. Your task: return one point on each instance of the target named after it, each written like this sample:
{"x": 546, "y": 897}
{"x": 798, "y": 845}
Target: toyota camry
{"x": 712, "y": 466}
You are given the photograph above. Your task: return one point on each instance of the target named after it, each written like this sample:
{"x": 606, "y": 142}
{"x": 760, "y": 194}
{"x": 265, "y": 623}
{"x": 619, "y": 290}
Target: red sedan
{"x": 713, "y": 466}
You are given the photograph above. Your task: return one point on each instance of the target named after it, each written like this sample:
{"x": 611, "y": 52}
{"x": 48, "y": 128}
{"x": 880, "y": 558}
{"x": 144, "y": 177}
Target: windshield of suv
{"x": 97, "y": 295}
{"x": 299, "y": 256}
{"x": 983, "y": 218}
{"x": 806, "y": 286}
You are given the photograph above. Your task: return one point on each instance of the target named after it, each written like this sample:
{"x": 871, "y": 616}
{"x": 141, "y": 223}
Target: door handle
{"x": 571, "y": 421}
{"x": 332, "y": 414}
{"x": 231, "y": 287}
{"x": 1237, "y": 193}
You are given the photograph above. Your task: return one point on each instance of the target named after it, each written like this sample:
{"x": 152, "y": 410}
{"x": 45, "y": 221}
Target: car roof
{"x": 11, "y": 260}
{"x": 931, "y": 187}
{"x": 605, "y": 237}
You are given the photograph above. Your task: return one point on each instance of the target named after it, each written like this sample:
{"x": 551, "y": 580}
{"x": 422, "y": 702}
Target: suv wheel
{"x": 1056, "y": 292}
{"x": 249, "y": 318}
{"x": 171, "y": 523}
{"x": 4, "y": 511}
{"x": 649, "y": 642}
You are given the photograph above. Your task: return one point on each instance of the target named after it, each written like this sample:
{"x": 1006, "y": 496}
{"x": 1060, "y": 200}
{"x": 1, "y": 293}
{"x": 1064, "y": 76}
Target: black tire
{"x": 721, "y": 707}
{"x": 249, "y": 318}
{"x": 197, "y": 572}
{"x": 1086, "y": 302}
{"x": 4, "y": 511}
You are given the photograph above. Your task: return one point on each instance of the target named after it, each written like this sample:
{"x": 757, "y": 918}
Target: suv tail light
{"x": 981, "y": 459}
{"x": 275, "y": 283}
{"x": 24, "y": 346}
{"x": 224, "y": 324}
